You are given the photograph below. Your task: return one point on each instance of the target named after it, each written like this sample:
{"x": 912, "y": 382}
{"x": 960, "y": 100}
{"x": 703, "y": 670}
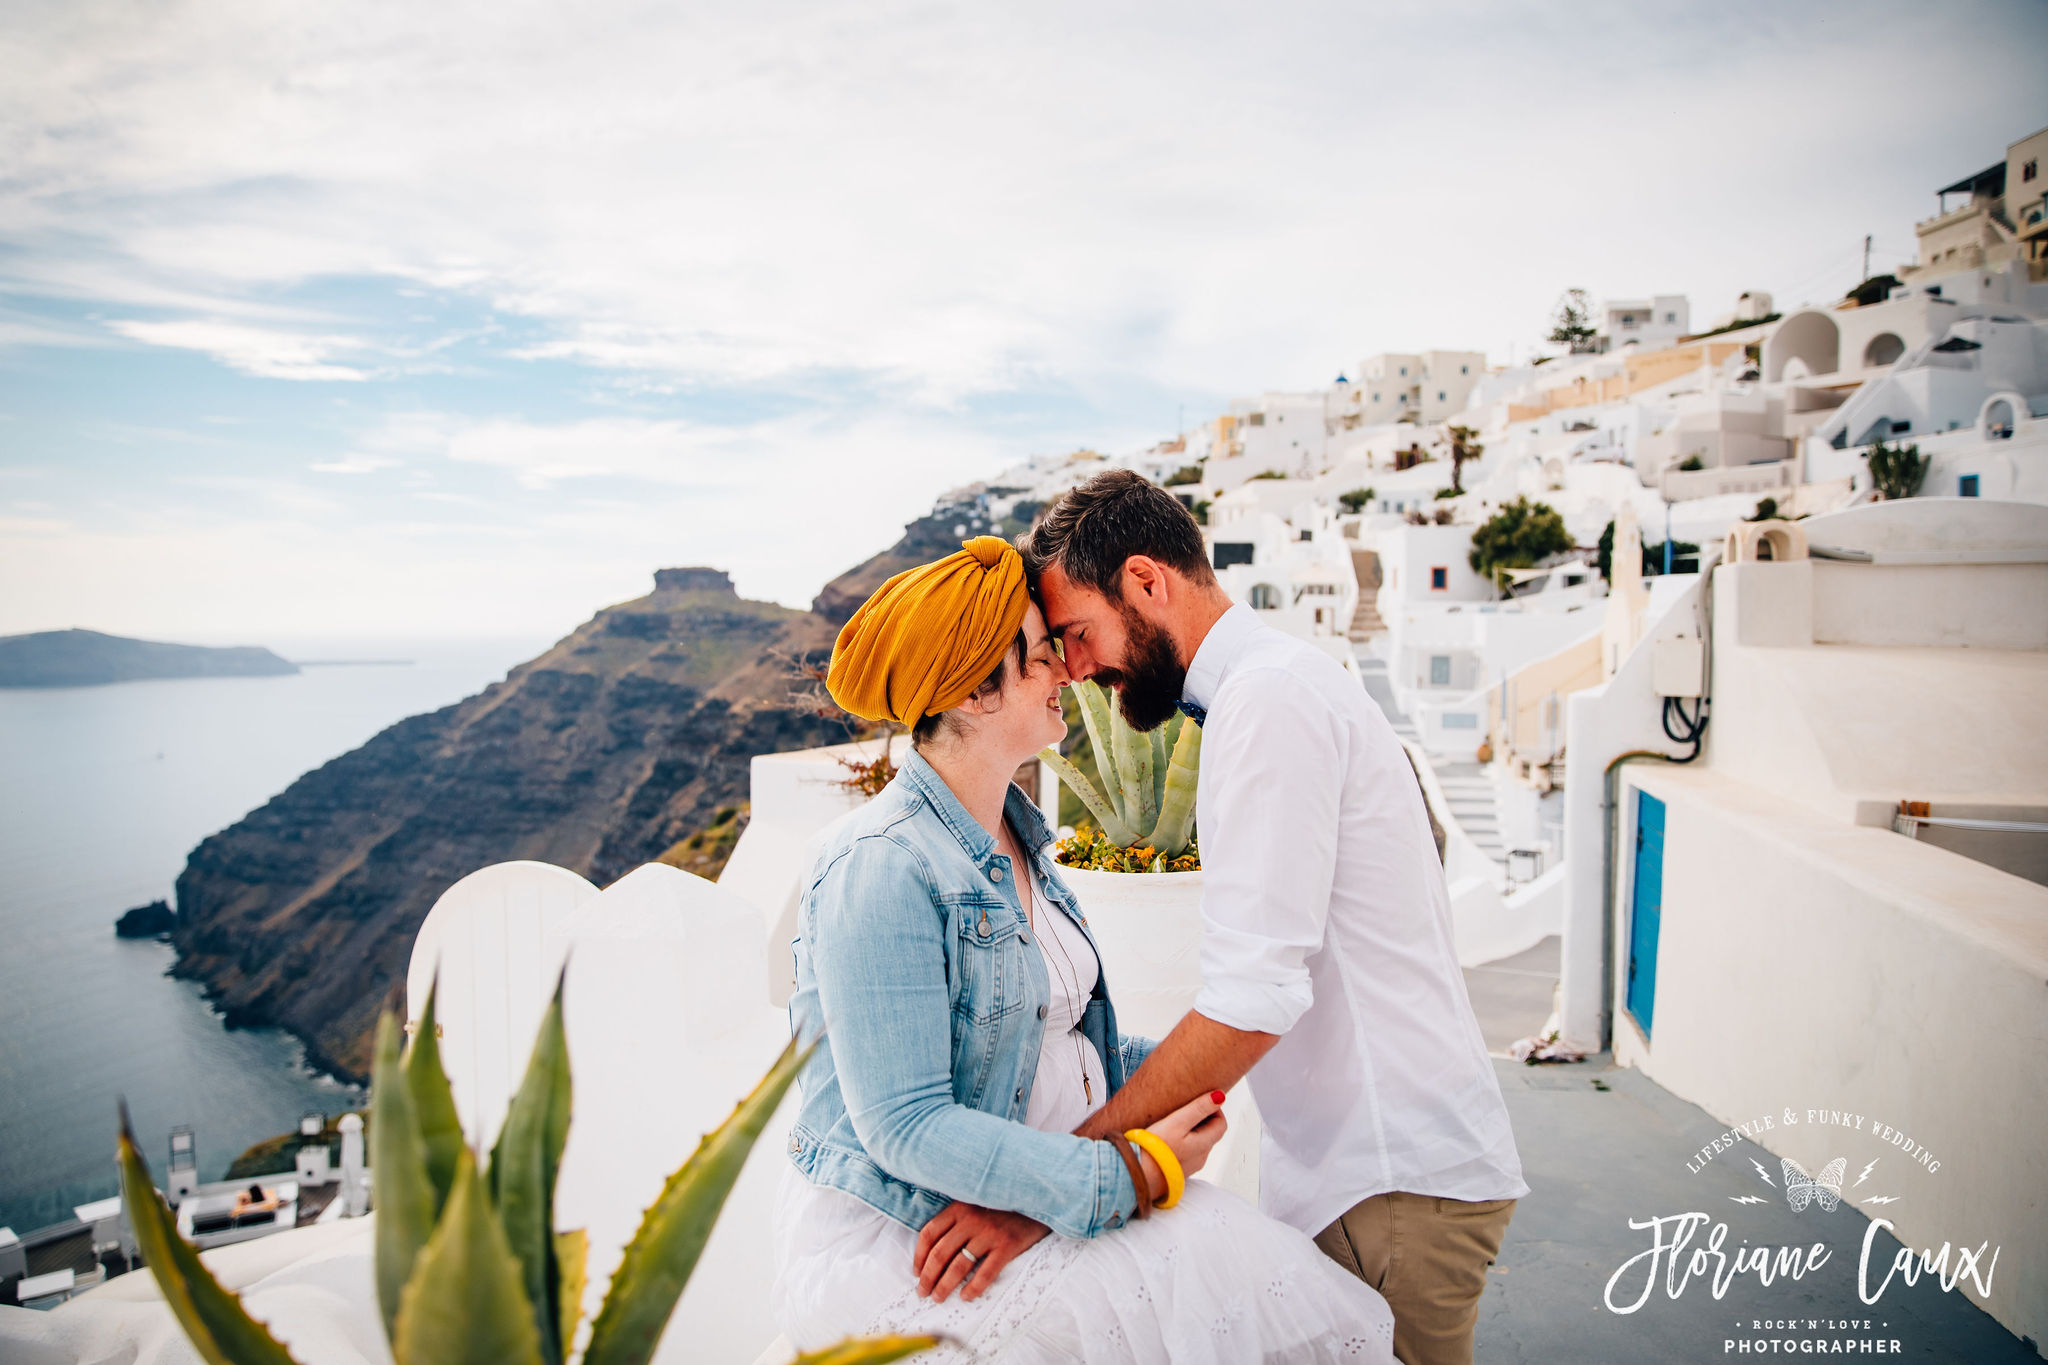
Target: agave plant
{"x": 469, "y": 1267}
{"x": 1147, "y": 796}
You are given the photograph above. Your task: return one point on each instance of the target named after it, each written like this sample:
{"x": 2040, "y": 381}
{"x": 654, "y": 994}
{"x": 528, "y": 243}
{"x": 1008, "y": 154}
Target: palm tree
{"x": 1464, "y": 446}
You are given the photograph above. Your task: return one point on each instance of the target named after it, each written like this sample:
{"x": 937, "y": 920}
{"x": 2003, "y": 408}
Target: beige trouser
{"x": 1428, "y": 1257}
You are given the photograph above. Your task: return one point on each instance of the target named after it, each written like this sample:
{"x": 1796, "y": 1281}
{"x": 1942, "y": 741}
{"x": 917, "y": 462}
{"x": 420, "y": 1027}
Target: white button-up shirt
{"x": 1327, "y": 921}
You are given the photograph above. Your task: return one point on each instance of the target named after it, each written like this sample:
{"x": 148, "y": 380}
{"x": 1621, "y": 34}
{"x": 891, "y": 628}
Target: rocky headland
{"x": 153, "y": 920}
{"x": 87, "y": 658}
{"x": 623, "y": 741}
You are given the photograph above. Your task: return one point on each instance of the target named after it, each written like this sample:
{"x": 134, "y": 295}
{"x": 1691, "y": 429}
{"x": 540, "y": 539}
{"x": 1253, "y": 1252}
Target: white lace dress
{"x": 1209, "y": 1280}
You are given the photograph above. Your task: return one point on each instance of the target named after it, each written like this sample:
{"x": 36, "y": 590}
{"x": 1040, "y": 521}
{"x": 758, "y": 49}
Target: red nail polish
{"x": 1215, "y": 1097}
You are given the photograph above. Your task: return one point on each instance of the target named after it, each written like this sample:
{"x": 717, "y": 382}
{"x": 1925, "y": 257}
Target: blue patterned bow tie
{"x": 1195, "y": 713}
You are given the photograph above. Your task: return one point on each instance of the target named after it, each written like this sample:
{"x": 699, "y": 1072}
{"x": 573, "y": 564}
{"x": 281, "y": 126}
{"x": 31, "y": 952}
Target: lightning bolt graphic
{"x": 1882, "y": 1199}
{"x": 1763, "y": 1173}
{"x": 1748, "y": 1199}
{"x": 1866, "y": 1172}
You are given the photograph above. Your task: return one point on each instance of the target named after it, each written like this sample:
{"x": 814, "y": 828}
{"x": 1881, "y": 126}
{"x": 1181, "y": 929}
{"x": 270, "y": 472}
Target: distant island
{"x": 87, "y": 658}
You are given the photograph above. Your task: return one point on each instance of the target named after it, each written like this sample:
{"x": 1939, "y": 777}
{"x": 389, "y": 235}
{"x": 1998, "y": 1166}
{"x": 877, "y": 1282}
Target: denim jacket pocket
{"x": 992, "y": 980}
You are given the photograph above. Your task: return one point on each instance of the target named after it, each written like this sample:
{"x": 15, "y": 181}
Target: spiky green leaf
{"x": 464, "y": 1304}
{"x": 523, "y": 1169}
{"x": 1091, "y": 796}
{"x": 432, "y": 1100}
{"x": 1162, "y": 756}
{"x": 1098, "y": 715}
{"x": 1132, "y": 758}
{"x": 869, "y": 1351}
{"x": 1177, "y": 811}
{"x": 398, "y": 1166}
{"x": 572, "y": 1259}
{"x": 220, "y": 1330}
{"x": 663, "y": 1253}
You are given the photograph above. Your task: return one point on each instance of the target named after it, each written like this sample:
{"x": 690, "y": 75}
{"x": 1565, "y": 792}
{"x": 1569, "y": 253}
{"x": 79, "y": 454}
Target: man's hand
{"x": 993, "y": 1236}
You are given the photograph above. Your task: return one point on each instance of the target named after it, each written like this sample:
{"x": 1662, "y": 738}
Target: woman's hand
{"x": 1191, "y": 1131}
{"x": 992, "y": 1238}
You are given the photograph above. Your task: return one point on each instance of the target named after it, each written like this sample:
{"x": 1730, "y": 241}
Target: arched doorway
{"x": 1998, "y": 419}
{"x": 1884, "y": 349}
{"x": 1265, "y": 597}
{"x": 1810, "y": 338}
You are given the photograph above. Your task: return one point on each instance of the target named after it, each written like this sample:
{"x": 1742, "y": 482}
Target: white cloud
{"x": 354, "y": 464}
{"x": 1210, "y": 198}
{"x": 252, "y": 350}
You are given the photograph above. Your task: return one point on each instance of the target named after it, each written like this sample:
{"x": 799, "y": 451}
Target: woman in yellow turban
{"x": 967, "y": 1031}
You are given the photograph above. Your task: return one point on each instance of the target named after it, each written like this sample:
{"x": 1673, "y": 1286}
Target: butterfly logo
{"x": 1824, "y": 1189}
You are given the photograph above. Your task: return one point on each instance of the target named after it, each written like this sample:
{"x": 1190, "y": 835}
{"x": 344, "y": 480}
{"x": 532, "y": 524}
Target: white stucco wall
{"x": 1805, "y": 962}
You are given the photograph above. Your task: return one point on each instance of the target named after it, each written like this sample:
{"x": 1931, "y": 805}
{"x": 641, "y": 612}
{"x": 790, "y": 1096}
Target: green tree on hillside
{"x": 1516, "y": 537}
{"x": 1573, "y": 326}
{"x": 1356, "y": 499}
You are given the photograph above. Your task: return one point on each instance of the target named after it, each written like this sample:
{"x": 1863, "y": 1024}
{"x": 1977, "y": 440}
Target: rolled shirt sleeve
{"x": 1270, "y": 783}
{"x": 878, "y": 952}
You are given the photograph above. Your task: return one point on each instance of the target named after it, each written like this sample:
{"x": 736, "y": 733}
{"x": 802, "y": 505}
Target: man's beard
{"x": 1148, "y": 686}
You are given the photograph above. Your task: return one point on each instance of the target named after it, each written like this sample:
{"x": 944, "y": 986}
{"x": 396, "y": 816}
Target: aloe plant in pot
{"x": 1137, "y": 873}
{"x": 469, "y": 1267}
{"x": 1144, "y": 806}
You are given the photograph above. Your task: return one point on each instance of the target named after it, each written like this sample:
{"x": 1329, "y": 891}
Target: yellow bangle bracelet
{"x": 1169, "y": 1165}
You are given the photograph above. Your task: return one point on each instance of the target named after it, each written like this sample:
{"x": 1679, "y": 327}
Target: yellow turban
{"x": 930, "y": 635}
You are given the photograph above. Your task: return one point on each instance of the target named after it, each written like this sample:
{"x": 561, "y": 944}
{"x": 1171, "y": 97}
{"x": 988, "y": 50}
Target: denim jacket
{"x": 915, "y": 957}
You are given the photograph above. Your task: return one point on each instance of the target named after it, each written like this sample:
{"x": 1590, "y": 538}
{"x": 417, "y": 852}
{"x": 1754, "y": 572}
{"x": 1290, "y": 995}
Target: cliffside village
{"x": 1720, "y": 640}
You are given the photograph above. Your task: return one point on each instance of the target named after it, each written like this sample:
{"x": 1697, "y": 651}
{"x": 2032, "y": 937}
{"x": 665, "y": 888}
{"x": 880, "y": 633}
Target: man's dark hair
{"x": 1091, "y": 530}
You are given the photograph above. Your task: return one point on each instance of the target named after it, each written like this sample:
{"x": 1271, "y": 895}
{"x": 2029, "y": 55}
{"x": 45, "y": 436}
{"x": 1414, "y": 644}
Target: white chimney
{"x": 355, "y": 1182}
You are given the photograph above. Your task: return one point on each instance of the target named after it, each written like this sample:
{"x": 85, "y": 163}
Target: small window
{"x": 1966, "y": 486}
{"x": 1404, "y": 371}
{"x": 1460, "y": 720}
{"x": 1439, "y": 670}
{"x": 1671, "y": 317}
{"x": 1898, "y": 427}
{"x": 1375, "y": 398}
{"x": 1227, "y": 552}
{"x": 1307, "y": 534}
{"x": 2027, "y": 171}
{"x": 1265, "y": 597}
{"x": 1439, "y": 578}
{"x": 1464, "y": 369}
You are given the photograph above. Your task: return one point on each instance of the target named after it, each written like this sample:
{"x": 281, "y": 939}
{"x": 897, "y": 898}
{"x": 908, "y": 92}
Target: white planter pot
{"x": 1148, "y": 929}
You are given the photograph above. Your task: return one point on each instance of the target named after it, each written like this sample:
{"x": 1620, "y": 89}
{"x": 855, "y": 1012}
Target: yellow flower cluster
{"x": 1087, "y": 848}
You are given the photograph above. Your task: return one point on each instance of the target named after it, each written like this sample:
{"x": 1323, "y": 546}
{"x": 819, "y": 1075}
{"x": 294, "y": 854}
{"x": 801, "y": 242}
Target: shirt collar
{"x": 1219, "y": 649}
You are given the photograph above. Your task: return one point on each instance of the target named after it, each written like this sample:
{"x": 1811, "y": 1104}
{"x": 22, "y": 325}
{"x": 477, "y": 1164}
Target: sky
{"x": 401, "y": 320}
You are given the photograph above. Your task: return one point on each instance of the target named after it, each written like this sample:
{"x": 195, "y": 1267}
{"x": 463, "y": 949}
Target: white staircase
{"x": 1470, "y": 795}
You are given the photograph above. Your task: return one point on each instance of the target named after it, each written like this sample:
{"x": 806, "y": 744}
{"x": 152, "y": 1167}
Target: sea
{"x": 103, "y": 793}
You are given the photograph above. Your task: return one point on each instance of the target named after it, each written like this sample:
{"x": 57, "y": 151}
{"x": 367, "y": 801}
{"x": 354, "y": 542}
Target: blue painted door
{"x": 1646, "y": 909}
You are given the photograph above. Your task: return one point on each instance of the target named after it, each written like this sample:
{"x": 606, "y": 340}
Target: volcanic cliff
{"x": 627, "y": 736}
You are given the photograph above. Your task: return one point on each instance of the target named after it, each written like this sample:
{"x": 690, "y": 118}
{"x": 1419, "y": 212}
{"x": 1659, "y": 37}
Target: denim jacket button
{"x": 1024, "y": 939}
{"x": 1041, "y": 1011}
{"x": 1116, "y": 1220}
{"x": 995, "y": 874}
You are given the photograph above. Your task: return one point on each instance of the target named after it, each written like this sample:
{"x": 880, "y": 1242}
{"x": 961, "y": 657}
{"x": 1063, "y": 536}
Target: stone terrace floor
{"x": 1602, "y": 1144}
